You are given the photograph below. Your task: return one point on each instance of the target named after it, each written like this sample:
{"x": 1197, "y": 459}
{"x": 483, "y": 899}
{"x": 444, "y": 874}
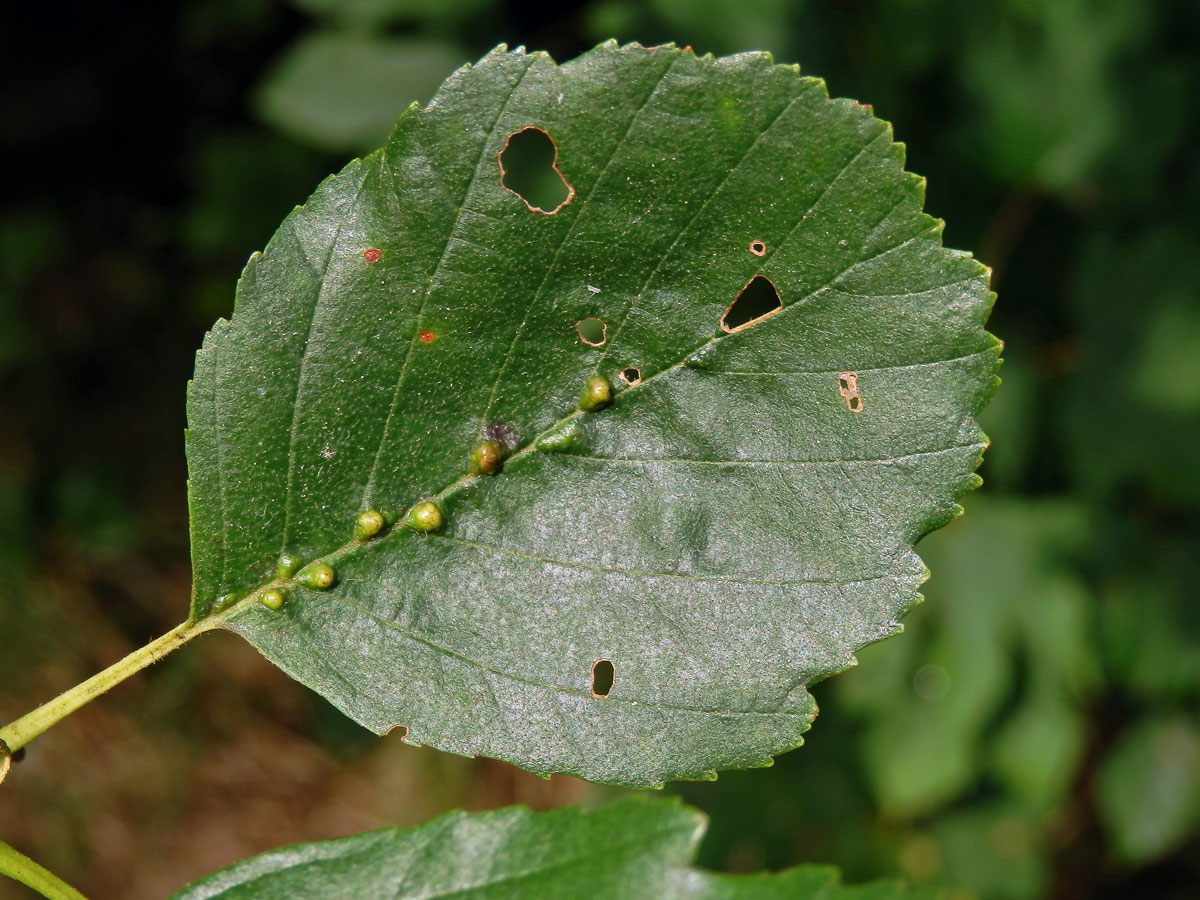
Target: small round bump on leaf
{"x": 318, "y": 576}
{"x": 368, "y": 524}
{"x": 225, "y": 601}
{"x": 560, "y": 439}
{"x": 273, "y": 599}
{"x": 487, "y": 457}
{"x": 289, "y": 564}
{"x": 597, "y": 393}
{"x": 425, "y": 516}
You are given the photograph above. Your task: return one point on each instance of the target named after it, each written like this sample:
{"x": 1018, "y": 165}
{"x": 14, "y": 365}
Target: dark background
{"x": 1034, "y": 734}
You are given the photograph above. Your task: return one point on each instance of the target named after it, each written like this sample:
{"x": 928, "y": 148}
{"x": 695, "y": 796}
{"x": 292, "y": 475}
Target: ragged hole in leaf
{"x": 632, "y": 376}
{"x": 848, "y": 388}
{"x": 603, "y": 675}
{"x": 593, "y": 332}
{"x": 529, "y": 169}
{"x": 401, "y": 731}
{"x": 758, "y": 300}
{"x": 758, "y": 248}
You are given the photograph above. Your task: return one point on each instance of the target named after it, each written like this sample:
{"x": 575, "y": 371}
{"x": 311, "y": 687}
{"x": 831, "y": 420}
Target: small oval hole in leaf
{"x": 632, "y": 376}
{"x": 592, "y": 331}
{"x": 529, "y": 169}
{"x": 757, "y": 301}
{"x": 603, "y": 675}
{"x": 758, "y": 248}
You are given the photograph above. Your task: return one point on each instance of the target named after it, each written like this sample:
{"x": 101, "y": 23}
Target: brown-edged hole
{"x": 401, "y": 731}
{"x": 757, "y": 301}
{"x": 848, "y": 388}
{"x": 529, "y": 169}
{"x": 758, "y": 248}
{"x": 632, "y": 376}
{"x": 592, "y": 331}
{"x": 603, "y": 676}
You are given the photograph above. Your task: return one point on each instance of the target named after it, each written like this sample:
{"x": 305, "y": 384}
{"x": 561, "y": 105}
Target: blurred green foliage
{"x": 1037, "y": 730}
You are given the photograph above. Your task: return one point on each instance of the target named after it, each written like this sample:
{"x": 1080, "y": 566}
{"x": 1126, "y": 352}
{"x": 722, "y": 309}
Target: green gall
{"x": 319, "y": 576}
{"x": 597, "y": 394}
{"x": 289, "y": 565}
{"x": 425, "y": 516}
{"x": 486, "y": 458}
{"x": 273, "y": 599}
{"x": 368, "y": 524}
{"x": 225, "y": 601}
{"x": 560, "y": 439}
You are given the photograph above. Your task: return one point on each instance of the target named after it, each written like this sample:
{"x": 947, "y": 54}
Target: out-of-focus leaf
{"x": 714, "y": 26}
{"x": 1166, "y": 378}
{"x": 343, "y": 91}
{"x": 638, "y": 848}
{"x": 374, "y": 14}
{"x": 1037, "y": 750}
{"x": 1000, "y": 582}
{"x": 1149, "y": 787}
{"x": 992, "y": 851}
{"x": 1139, "y": 379}
{"x": 1045, "y": 76}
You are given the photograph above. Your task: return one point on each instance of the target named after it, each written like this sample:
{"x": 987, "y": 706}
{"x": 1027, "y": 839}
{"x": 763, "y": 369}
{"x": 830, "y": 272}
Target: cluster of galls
{"x": 425, "y": 517}
{"x": 487, "y": 458}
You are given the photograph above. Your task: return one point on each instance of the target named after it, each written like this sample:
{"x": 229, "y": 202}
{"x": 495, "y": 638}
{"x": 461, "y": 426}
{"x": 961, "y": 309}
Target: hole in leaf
{"x": 631, "y": 376}
{"x": 592, "y": 331}
{"x": 757, "y": 301}
{"x": 529, "y": 169}
{"x": 603, "y": 675}
{"x": 848, "y": 388}
{"x": 758, "y": 248}
{"x": 401, "y": 731}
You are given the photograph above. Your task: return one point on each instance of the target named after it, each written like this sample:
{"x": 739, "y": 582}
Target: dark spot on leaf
{"x": 757, "y": 301}
{"x": 372, "y": 255}
{"x": 593, "y": 332}
{"x": 603, "y": 676}
{"x": 848, "y": 388}
{"x": 529, "y": 169}
{"x": 631, "y": 376}
{"x": 758, "y": 248}
{"x": 502, "y": 433}
{"x": 427, "y": 337}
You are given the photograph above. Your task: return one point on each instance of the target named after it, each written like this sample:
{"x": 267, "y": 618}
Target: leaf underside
{"x": 633, "y": 849}
{"x": 730, "y": 530}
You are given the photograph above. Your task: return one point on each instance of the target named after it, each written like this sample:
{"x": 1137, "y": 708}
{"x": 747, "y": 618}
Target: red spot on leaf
{"x": 372, "y": 255}
{"x": 427, "y": 337}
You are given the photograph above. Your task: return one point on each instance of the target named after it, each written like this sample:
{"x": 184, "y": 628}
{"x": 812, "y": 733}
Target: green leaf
{"x": 632, "y": 849}
{"x": 342, "y": 92}
{"x": 1149, "y": 788}
{"x": 730, "y": 529}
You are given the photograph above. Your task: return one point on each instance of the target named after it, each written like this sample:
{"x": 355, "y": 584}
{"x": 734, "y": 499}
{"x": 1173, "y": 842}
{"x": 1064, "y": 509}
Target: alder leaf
{"x": 636, "y": 848}
{"x": 730, "y": 529}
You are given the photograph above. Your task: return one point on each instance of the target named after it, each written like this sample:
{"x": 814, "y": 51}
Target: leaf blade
{"x": 731, "y": 529}
{"x": 633, "y": 848}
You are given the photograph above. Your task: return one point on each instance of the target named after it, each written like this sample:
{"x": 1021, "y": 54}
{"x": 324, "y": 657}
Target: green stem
{"x": 25, "y": 729}
{"x": 20, "y": 867}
